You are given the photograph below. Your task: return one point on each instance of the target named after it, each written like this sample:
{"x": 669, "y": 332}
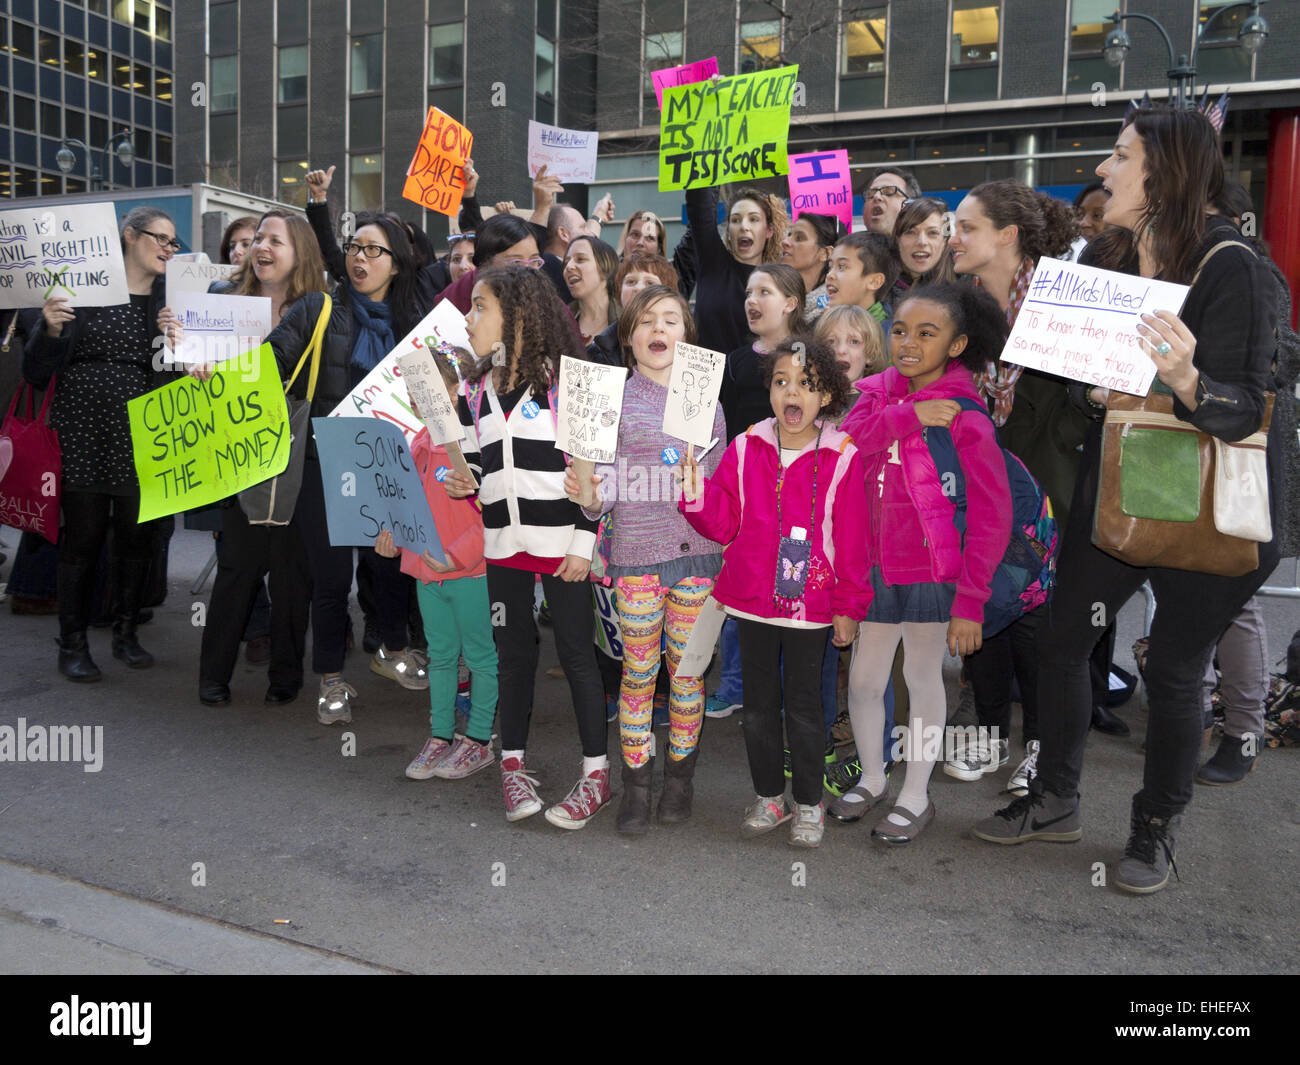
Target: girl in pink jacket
{"x": 788, "y": 501}
{"x": 929, "y": 582}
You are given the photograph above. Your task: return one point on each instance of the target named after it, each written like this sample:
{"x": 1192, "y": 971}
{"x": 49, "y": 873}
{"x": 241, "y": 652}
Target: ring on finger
{"x": 1163, "y": 347}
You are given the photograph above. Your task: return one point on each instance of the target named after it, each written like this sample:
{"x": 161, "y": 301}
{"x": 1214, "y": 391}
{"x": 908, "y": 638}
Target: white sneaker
{"x": 406, "y": 667}
{"x": 334, "y": 703}
{"x": 1026, "y": 771}
{"x": 979, "y": 758}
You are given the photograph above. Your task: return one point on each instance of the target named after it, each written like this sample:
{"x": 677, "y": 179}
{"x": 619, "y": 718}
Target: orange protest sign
{"x": 436, "y": 177}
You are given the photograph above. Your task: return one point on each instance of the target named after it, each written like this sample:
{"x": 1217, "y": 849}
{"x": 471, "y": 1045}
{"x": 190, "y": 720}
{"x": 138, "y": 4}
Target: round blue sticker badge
{"x": 529, "y": 409}
{"x": 670, "y": 456}
{"x": 440, "y": 474}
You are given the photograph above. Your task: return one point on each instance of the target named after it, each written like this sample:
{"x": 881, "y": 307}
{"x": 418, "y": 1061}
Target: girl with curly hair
{"x": 789, "y": 502}
{"x": 519, "y": 330}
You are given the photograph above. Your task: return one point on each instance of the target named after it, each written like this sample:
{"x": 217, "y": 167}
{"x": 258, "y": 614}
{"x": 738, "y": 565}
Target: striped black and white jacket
{"x": 521, "y": 478}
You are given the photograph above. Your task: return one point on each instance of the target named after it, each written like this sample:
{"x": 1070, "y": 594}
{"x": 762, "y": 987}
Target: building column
{"x": 1027, "y": 169}
{"x": 1282, "y": 200}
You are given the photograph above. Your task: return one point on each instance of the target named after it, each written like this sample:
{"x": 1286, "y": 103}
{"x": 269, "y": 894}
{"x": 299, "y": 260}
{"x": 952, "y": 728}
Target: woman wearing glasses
{"x": 103, "y": 357}
{"x": 379, "y": 300}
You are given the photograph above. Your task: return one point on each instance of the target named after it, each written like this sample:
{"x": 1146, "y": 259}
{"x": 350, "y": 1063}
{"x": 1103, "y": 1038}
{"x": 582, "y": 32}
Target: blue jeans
{"x": 731, "y": 686}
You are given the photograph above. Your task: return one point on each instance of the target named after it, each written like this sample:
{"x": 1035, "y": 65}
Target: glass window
{"x": 447, "y": 54}
{"x": 96, "y": 64}
{"x": 223, "y": 138}
{"x": 368, "y": 63}
{"x": 864, "y": 45}
{"x": 365, "y": 183}
{"x": 760, "y": 45}
{"x": 48, "y": 48}
{"x": 74, "y": 124}
{"x": 51, "y": 126}
{"x": 546, "y": 17}
{"x": 293, "y": 74}
{"x": 860, "y": 94}
{"x": 143, "y": 83}
{"x": 162, "y": 85}
{"x": 223, "y": 28}
{"x": 450, "y": 100}
{"x": 142, "y": 141}
{"x": 24, "y": 183}
{"x": 73, "y": 56}
{"x": 98, "y": 130}
{"x": 974, "y": 32}
{"x": 1226, "y": 25}
{"x": 225, "y": 83}
{"x": 661, "y": 50}
{"x": 144, "y": 15}
{"x": 545, "y": 51}
{"x": 291, "y": 21}
{"x": 1089, "y": 24}
{"x": 367, "y": 14}
{"x": 291, "y": 183}
{"x": 162, "y": 21}
{"x": 121, "y": 72}
{"x": 366, "y": 122}
{"x": 163, "y": 150}
{"x": 446, "y": 9}
{"x": 291, "y": 131}
{"x": 23, "y": 41}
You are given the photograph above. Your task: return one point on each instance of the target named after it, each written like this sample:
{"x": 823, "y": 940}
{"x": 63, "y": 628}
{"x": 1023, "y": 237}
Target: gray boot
{"x": 634, "y": 811}
{"x": 679, "y": 789}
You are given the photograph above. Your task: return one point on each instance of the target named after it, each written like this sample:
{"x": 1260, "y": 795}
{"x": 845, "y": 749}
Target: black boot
{"x": 1104, "y": 720}
{"x": 1230, "y": 763}
{"x": 133, "y": 572}
{"x": 75, "y": 662}
{"x": 634, "y": 811}
{"x": 679, "y": 789}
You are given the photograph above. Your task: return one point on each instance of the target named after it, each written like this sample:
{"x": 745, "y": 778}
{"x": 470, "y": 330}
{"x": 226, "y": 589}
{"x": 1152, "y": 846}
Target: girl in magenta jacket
{"x": 788, "y": 500}
{"x": 929, "y": 584}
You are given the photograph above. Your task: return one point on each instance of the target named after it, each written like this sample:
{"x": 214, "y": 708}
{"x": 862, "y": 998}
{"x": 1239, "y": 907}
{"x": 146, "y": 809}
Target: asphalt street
{"x": 233, "y": 819}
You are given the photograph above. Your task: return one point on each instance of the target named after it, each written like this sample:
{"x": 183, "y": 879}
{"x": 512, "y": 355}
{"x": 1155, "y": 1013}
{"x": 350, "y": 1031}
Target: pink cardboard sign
{"x": 820, "y": 184}
{"x": 688, "y": 74}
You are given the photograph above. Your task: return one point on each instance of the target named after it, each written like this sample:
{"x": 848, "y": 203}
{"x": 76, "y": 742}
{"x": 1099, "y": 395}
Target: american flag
{"x": 1218, "y": 112}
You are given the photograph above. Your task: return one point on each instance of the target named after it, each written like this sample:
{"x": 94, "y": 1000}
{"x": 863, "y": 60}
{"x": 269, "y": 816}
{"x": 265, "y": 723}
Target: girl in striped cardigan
{"x": 519, "y": 330}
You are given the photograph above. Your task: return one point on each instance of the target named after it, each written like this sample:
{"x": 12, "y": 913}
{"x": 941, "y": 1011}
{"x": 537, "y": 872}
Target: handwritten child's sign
{"x": 436, "y": 177}
{"x": 371, "y": 484}
{"x": 197, "y": 442}
{"x": 590, "y": 403}
{"x": 73, "y": 253}
{"x": 428, "y": 394}
{"x": 687, "y": 74}
{"x": 693, "y": 391}
{"x": 382, "y": 393}
{"x": 217, "y": 327}
{"x": 820, "y": 184}
{"x": 190, "y": 275}
{"x": 1080, "y": 322}
{"x": 567, "y": 154}
{"x": 731, "y": 130}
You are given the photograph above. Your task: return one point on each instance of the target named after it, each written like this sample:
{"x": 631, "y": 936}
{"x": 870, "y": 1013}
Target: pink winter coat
{"x": 912, "y": 536}
{"x": 739, "y": 510}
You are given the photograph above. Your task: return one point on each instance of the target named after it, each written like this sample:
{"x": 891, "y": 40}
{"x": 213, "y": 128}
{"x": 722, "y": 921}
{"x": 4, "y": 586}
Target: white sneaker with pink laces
{"x": 519, "y": 790}
{"x": 582, "y": 803}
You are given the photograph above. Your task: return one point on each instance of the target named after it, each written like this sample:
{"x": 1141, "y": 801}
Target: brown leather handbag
{"x": 1155, "y": 500}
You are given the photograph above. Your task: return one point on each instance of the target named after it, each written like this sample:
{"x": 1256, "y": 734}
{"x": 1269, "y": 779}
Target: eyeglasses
{"x": 534, "y": 263}
{"x": 370, "y": 251}
{"x": 456, "y": 238}
{"x": 887, "y": 191}
{"x": 163, "y": 241}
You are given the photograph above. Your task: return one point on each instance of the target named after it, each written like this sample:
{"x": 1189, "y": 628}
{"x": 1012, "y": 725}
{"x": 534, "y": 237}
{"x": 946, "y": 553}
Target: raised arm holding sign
{"x": 436, "y": 177}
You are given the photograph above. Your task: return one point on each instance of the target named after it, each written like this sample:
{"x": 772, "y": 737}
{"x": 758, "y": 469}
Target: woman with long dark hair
{"x": 807, "y": 247}
{"x": 1215, "y": 357}
{"x": 922, "y": 234}
{"x": 104, "y": 358}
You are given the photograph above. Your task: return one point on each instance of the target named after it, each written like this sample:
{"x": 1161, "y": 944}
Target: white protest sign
{"x": 429, "y": 396}
{"x": 73, "y": 253}
{"x": 693, "y": 393}
{"x": 698, "y": 652}
{"x": 590, "y": 402}
{"x": 567, "y": 154}
{"x": 193, "y": 275}
{"x": 217, "y": 327}
{"x": 1080, "y": 322}
{"x": 382, "y": 393}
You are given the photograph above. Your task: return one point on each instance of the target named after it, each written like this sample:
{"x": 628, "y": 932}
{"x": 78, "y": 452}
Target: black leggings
{"x": 87, "y": 517}
{"x": 572, "y": 621}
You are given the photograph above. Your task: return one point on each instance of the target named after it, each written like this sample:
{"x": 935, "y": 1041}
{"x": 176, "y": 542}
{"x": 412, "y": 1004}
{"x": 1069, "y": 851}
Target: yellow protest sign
{"x": 734, "y": 129}
{"x": 197, "y": 442}
{"x": 436, "y": 177}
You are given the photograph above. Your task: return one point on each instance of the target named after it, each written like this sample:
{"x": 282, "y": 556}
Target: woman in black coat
{"x": 103, "y": 356}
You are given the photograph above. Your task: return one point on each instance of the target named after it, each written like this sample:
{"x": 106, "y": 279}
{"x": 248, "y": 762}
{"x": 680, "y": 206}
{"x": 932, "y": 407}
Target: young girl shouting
{"x": 454, "y": 605}
{"x": 929, "y": 582}
{"x": 663, "y": 569}
{"x": 788, "y": 500}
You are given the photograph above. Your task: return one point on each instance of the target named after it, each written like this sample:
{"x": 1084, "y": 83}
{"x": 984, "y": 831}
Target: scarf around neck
{"x": 374, "y": 336}
{"x": 999, "y": 379}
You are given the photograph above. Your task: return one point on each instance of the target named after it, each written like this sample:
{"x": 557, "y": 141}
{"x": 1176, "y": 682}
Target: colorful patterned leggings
{"x": 645, "y": 609}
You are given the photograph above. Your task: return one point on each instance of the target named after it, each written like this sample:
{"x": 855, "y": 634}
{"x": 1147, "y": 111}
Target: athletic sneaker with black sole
{"x": 1038, "y": 815}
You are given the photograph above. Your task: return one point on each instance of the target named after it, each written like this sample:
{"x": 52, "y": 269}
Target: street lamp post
{"x": 119, "y": 144}
{"x": 1182, "y": 71}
